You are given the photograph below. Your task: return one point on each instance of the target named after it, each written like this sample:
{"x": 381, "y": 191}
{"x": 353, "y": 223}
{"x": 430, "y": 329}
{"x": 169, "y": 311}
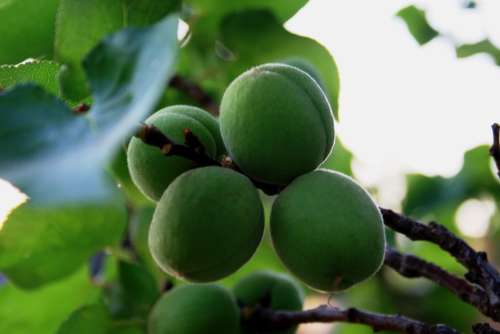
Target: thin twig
{"x": 480, "y": 270}
{"x": 266, "y": 319}
{"x": 194, "y": 91}
{"x": 412, "y": 266}
{"x": 194, "y": 151}
{"x": 151, "y": 135}
{"x": 495, "y": 146}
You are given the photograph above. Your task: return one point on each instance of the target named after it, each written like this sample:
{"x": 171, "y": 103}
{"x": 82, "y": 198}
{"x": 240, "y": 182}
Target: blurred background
{"x": 419, "y": 89}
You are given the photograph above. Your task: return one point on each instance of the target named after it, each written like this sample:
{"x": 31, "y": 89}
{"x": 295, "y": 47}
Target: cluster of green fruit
{"x": 209, "y": 308}
{"x": 276, "y": 124}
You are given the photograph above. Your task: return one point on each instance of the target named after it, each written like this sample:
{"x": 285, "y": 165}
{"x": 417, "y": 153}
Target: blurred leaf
{"x": 256, "y": 37}
{"x": 44, "y": 73}
{"x": 95, "y": 319}
{"x": 485, "y": 46}
{"x": 139, "y": 229}
{"x": 208, "y": 13}
{"x": 133, "y": 294}
{"x": 417, "y": 24}
{"x": 27, "y": 29}
{"x": 71, "y": 203}
{"x": 82, "y": 24}
{"x": 41, "y": 311}
{"x": 427, "y": 194}
{"x": 340, "y": 159}
{"x": 40, "y": 244}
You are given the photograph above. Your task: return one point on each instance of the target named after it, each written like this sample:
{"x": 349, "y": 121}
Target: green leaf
{"x": 438, "y": 197}
{"x": 133, "y": 294}
{"x": 27, "y": 29}
{"x": 485, "y": 46}
{"x": 256, "y": 37}
{"x": 207, "y": 14}
{"x": 44, "y": 73}
{"x": 340, "y": 159}
{"x": 41, "y": 311}
{"x": 139, "y": 229}
{"x": 57, "y": 158}
{"x": 417, "y": 24}
{"x": 96, "y": 319}
{"x": 82, "y": 24}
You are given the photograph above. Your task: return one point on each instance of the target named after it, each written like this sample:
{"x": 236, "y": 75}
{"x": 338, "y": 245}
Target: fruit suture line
{"x": 481, "y": 289}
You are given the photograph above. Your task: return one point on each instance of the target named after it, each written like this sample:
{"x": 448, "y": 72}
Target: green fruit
{"x": 269, "y": 290}
{"x": 276, "y": 123}
{"x": 307, "y": 67}
{"x": 207, "y": 224}
{"x": 328, "y": 231}
{"x": 195, "y": 309}
{"x": 150, "y": 170}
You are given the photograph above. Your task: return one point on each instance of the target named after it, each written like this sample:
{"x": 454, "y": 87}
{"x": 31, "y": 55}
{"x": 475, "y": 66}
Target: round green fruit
{"x": 150, "y": 170}
{"x": 207, "y": 224}
{"x": 328, "y": 231}
{"x": 276, "y": 123}
{"x": 269, "y": 290}
{"x": 195, "y": 309}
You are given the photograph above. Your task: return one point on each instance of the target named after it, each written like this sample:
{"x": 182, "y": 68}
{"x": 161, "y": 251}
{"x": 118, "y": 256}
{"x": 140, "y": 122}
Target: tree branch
{"x": 495, "y": 146}
{"x": 480, "y": 270}
{"x": 194, "y": 151}
{"x": 151, "y": 135}
{"x": 268, "y": 319}
{"x": 412, "y": 266}
{"x": 194, "y": 91}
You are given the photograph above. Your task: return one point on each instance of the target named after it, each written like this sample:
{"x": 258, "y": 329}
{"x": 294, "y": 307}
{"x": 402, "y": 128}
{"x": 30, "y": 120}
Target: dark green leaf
{"x": 485, "y": 46}
{"x": 41, "y": 311}
{"x": 44, "y": 73}
{"x": 57, "y": 158}
{"x": 82, "y": 24}
{"x": 26, "y": 29}
{"x": 417, "y": 24}
{"x": 257, "y": 37}
{"x": 96, "y": 319}
{"x": 134, "y": 292}
{"x": 340, "y": 159}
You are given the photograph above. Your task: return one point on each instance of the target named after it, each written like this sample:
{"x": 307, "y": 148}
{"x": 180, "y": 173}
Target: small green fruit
{"x": 195, "y": 309}
{"x": 150, "y": 170}
{"x": 328, "y": 231}
{"x": 276, "y": 123}
{"x": 269, "y": 290}
{"x": 207, "y": 224}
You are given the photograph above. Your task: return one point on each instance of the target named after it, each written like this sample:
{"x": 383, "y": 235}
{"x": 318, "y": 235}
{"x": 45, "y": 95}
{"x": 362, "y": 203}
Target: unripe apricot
{"x": 206, "y": 225}
{"x": 152, "y": 171}
{"x": 276, "y": 123}
{"x": 269, "y": 290}
{"x": 195, "y": 309}
{"x": 328, "y": 231}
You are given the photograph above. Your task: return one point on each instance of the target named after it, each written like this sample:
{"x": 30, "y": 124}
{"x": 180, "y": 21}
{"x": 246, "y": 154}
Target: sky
{"x": 403, "y": 107}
